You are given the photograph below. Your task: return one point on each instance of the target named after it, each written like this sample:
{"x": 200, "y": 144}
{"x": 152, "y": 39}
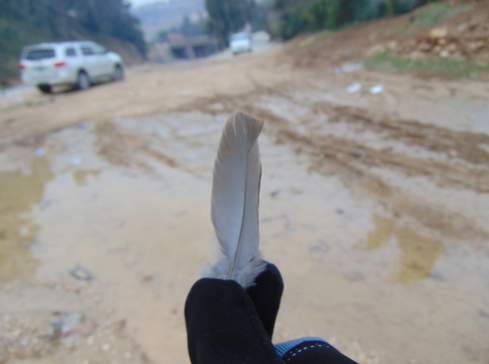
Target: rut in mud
{"x": 378, "y": 153}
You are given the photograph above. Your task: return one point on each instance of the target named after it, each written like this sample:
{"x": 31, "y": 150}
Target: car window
{"x": 39, "y": 54}
{"x": 70, "y": 52}
{"x": 239, "y": 37}
{"x": 98, "y": 49}
{"x": 87, "y": 51}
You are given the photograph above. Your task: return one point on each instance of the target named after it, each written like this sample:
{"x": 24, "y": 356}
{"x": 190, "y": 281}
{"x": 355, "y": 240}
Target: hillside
{"x": 161, "y": 15}
{"x": 24, "y": 22}
{"x": 444, "y": 39}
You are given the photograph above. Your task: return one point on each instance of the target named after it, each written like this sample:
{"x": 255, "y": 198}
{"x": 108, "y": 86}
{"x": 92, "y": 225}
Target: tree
{"x": 296, "y": 17}
{"x": 229, "y": 16}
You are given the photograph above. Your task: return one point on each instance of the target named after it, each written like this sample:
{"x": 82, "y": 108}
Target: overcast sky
{"x": 140, "y": 2}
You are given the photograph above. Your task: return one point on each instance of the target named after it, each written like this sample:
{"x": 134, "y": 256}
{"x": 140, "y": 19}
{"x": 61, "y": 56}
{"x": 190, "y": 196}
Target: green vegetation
{"x": 24, "y": 22}
{"x": 290, "y": 18}
{"x": 428, "y": 66}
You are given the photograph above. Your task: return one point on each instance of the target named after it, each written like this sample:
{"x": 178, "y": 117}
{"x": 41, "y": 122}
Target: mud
{"x": 374, "y": 207}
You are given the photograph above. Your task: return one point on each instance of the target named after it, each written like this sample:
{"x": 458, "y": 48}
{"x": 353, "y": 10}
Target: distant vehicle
{"x": 74, "y": 64}
{"x": 241, "y": 43}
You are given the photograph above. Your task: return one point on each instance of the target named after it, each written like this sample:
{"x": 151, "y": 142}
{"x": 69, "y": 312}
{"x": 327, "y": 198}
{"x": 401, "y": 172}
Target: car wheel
{"x": 83, "y": 81}
{"x": 45, "y": 89}
{"x": 118, "y": 73}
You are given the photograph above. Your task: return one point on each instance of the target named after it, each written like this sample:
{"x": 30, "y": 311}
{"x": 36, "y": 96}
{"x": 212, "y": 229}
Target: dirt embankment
{"x": 451, "y": 30}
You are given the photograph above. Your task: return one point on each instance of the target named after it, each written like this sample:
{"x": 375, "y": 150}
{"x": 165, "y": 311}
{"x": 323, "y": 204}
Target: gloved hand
{"x": 223, "y": 326}
{"x": 227, "y": 324}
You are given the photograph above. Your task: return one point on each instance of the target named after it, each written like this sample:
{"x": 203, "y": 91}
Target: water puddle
{"x": 81, "y": 176}
{"x": 20, "y": 191}
{"x": 417, "y": 253}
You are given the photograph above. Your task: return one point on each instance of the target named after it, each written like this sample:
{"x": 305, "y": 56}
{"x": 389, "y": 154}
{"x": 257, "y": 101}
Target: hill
{"x": 162, "y": 15}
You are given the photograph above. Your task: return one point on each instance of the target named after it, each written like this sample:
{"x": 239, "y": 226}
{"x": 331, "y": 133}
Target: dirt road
{"x": 374, "y": 205}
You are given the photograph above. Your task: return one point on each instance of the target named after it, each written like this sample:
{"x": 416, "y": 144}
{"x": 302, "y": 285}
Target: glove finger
{"x": 266, "y": 295}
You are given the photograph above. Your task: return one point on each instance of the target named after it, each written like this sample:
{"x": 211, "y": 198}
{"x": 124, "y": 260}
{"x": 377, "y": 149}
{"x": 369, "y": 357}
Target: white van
{"x": 241, "y": 43}
{"x": 75, "y": 64}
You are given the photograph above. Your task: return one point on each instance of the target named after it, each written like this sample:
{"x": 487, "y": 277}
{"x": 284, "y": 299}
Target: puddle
{"x": 82, "y": 176}
{"x": 418, "y": 253}
{"x": 20, "y": 191}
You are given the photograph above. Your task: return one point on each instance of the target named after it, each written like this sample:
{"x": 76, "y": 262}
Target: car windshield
{"x": 39, "y": 54}
{"x": 238, "y": 37}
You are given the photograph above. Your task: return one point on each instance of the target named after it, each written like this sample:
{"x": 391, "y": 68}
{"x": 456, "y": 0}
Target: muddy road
{"x": 374, "y": 205}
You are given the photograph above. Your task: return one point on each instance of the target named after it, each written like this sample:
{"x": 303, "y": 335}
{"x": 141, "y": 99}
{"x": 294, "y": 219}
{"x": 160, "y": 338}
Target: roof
{"x": 178, "y": 40}
{"x": 57, "y": 44}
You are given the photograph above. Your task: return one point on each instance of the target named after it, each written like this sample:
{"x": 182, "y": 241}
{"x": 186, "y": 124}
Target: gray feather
{"x": 235, "y": 201}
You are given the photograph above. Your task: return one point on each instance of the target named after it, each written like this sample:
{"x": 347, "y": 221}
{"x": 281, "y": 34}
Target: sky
{"x": 140, "y": 2}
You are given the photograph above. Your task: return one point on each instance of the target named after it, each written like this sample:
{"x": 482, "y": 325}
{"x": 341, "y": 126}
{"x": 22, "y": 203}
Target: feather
{"x": 235, "y": 201}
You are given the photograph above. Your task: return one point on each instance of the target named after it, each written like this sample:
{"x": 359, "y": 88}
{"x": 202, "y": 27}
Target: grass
{"x": 429, "y": 66}
{"x": 429, "y": 16}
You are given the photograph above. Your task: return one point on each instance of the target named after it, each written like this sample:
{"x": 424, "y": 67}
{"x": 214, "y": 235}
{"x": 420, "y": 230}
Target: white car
{"x": 241, "y": 43}
{"x": 78, "y": 64}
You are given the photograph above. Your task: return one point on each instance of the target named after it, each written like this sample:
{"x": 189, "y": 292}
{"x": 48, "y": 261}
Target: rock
{"x": 65, "y": 324}
{"x": 438, "y": 33}
{"x": 81, "y": 273}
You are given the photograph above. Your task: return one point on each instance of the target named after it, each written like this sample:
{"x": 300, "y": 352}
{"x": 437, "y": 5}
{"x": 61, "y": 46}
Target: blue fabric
{"x": 282, "y": 348}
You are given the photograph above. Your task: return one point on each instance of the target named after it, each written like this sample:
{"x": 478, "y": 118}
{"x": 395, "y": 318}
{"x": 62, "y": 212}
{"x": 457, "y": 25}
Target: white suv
{"x": 78, "y": 64}
{"x": 241, "y": 43}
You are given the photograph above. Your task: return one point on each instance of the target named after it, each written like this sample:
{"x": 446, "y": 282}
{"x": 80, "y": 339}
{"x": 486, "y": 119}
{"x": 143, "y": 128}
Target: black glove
{"x": 223, "y": 326}
{"x": 227, "y": 324}
{"x": 266, "y": 295}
